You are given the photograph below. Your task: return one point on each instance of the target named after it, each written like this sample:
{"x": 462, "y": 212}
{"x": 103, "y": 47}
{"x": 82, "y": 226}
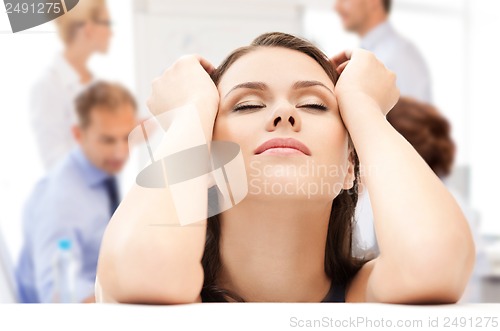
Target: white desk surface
{"x": 248, "y": 316}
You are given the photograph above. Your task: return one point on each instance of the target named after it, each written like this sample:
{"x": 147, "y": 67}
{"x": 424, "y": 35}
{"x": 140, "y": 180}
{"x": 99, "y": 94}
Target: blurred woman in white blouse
{"x": 84, "y": 31}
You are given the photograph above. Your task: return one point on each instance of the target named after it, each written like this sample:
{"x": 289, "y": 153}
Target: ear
{"x": 77, "y": 133}
{"x": 349, "y": 176}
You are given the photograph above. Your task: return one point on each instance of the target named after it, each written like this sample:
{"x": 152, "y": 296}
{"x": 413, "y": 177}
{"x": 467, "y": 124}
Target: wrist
{"x": 207, "y": 109}
{"x": 184, "y": 128}
{"x": 355, "y": 105}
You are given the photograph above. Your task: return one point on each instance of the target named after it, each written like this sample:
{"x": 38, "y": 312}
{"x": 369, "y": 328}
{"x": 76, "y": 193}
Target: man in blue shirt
{"x": 369, "y": 19}
{"x": 77, "y": 198}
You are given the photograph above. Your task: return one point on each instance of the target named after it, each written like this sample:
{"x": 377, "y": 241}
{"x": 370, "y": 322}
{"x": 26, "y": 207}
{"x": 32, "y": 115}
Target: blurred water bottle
{"x": 65, "y": 267}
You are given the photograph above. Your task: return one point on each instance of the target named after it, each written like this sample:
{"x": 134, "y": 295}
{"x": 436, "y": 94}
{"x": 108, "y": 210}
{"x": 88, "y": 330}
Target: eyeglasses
{"x": 107, "y": 23}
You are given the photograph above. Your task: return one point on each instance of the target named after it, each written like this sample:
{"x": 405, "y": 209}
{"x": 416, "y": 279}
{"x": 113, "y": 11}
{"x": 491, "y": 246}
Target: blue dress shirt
{"x": 403, "y": 58}
{"x": 71, "y": 202}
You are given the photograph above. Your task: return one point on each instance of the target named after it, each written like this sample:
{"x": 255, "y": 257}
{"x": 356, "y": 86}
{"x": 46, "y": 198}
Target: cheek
{"x": 334, "y": 146}
{"x": 329, "y": 142}
{"x": 327, "y": 135}
{"x": 241, "y": 130}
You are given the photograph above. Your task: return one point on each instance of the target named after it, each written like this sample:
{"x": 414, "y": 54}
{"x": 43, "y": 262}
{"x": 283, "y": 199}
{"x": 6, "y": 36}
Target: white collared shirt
{"x": 403, "y": 58}
{"x": 52, "y": 111}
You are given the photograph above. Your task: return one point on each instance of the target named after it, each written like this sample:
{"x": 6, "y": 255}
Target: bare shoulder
{"x": 356, "y": 291}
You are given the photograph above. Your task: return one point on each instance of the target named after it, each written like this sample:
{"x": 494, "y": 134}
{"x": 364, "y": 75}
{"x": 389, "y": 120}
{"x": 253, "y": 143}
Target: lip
{"x": 281, "y": 145}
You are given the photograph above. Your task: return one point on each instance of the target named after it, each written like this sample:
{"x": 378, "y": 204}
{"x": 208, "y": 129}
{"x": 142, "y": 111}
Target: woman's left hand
{"x": 364, "y": 78}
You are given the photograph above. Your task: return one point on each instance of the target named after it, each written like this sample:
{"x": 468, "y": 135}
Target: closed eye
{"x": 247, "y": 107}
{"x": 314, "y": 106}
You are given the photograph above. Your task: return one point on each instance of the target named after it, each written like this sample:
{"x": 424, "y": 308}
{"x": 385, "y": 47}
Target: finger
{"x": 341, "y": 58}
{"x": 341, "y": 67}
{"x": 209, "y": 68}
{"x": 334, "y": 63}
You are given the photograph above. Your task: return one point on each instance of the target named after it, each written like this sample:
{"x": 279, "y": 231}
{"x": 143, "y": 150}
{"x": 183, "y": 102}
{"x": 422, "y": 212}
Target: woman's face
{"x": 279, "y": 106}
{"x": 102, "y": 31}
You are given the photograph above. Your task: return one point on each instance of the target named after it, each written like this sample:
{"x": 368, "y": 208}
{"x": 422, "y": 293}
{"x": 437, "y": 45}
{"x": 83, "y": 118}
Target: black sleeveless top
{"x": 336, "y": 294}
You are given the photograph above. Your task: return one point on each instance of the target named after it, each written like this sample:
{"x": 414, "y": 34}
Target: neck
{"x": 371, "y": 23}
{"x": 274, "y": 251}
{"x": 78, "y": 57}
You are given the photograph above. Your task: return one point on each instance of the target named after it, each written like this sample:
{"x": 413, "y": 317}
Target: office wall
{"x": 168, "y": 29}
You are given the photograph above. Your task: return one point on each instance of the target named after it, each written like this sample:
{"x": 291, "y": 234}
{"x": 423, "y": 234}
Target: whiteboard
{"x": 166, "y": 29}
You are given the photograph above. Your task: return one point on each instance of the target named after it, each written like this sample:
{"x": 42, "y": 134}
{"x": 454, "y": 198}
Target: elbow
{"x": 432, "y": 291}
{"x": 430, "y": 287}
{"x": 122, "y": 284}
{"x": 441, "y": 275}
{"x": 126, "y": 276}
{"x": 455, "y": 262}
{"x": 436, "y": 273}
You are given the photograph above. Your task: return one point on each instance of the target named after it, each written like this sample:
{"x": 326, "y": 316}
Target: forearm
{"x": 154, "y": 257}
{"x": 418, "y": 224}
{"x": 146, "y": 256}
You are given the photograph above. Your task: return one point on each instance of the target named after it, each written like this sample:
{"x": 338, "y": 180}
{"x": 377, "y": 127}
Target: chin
{"x": 113, "y": 170}
{"x": 293, "y": 188}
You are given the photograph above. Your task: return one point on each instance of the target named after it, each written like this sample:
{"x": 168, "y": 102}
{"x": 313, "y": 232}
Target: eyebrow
{"x": 249, "y": 85}
{"x": 310, "y": 83}
{"x": 262, "y": 86}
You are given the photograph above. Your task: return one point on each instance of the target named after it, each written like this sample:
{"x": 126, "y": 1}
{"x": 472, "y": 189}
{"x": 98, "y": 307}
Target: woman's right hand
{"x": 186, "y": 82}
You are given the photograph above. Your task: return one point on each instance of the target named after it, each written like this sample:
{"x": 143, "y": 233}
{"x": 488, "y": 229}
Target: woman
{"x": 84, "y": 31}
{"x": 287, "y": 107}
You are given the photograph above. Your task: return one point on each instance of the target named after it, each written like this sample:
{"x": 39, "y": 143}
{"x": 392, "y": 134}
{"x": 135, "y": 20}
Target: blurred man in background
{"x": 369, "y": 19}
{"x": 75, "y": 201}
{"x": 84, "y": 31}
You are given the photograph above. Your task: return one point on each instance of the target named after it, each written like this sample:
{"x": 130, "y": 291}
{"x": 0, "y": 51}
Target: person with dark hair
{"x": 427, "y": 131}
{"x": 288, "y": 107}
{"x": 76, "y": 199}
{"x": 369, "y": 19}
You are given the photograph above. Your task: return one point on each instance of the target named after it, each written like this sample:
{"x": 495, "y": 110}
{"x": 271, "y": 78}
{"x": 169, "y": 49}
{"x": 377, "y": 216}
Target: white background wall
{"x": 457, "y": 37}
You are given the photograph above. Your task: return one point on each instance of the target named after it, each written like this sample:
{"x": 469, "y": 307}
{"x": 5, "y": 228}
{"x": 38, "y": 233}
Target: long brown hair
{"x": 340, "y": 265}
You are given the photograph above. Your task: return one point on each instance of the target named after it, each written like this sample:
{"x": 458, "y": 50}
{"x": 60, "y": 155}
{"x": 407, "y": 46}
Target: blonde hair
{"x": 84, "y": 11}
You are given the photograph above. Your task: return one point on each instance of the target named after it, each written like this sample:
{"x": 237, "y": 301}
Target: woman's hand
{"x": 186, "y": 82}
{"x": 364, "y": 78}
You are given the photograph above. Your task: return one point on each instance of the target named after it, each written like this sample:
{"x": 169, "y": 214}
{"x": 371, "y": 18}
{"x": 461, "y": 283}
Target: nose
{"x": 284, "y": 116}
{"x": 121, "y": 150}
